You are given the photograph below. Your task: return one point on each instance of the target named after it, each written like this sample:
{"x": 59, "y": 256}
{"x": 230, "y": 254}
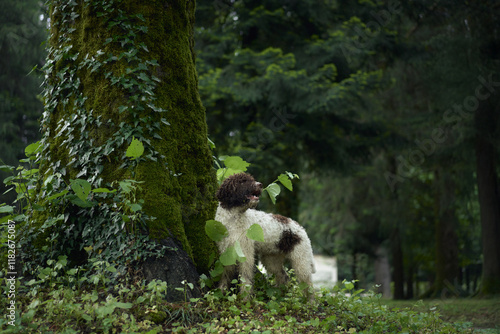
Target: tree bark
{"x": 489, "y": 198}
{"x": 411, "y": 273}
{"x": 397, "y": 265}
{"x": 446, "y": 240}
{"x": 122, "y": 69}
{"x": 382, "y": 272}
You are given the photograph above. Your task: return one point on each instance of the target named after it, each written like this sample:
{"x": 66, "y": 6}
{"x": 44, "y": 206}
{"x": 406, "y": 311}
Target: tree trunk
{"x": 409, "y": 281}
{"x": 487, "y": 183}
{"x": 382, "y": 272}
{"x": 397, "y": 265}
{"x": 446, "y": 239}
{"x": 354, "y": 266}
{"x": 122, "y": 69}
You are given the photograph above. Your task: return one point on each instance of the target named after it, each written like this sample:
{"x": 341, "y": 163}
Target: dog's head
{"x": 239, "y": 190}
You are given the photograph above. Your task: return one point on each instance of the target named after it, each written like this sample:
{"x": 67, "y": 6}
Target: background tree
{"x": 21, "y": 35}
{"x": 368, "y": 90}
{"x": 444, "y": 37}
{"x": 287, "y": 100}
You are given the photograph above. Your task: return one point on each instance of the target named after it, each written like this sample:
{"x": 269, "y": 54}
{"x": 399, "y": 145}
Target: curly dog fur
{"x": 284, "y": 238}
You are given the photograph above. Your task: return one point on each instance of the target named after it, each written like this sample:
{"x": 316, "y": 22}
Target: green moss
{"x": 157, "y": 317}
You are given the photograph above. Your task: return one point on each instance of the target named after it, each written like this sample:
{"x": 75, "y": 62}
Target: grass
{"x": 482, "y": 313}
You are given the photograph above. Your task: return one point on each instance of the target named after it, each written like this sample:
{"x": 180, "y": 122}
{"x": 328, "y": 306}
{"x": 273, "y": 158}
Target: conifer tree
{"x": 21, "y": 57}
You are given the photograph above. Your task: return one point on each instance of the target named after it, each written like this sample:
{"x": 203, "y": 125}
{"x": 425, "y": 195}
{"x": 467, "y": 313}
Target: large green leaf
{"x": 5, "y": 168}
{"x": 255, "y": 232}
{"x": 32, "y": 149}
{"x": 232, "y": 255}
{"x": 229, "y": 257}
{"x": 215, "y": 230}
{"x": 273, "y": 190}
{"x": 236, "y": 163}
{"x": 285, "y": 180}
{"x": 135, "y": 149}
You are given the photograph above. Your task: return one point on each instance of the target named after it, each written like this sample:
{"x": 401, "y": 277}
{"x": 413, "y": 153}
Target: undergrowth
{"x": 58, "y": 301}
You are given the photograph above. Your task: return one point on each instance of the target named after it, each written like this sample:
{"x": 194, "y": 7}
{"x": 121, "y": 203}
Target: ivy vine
{"x": 85, "y": 139}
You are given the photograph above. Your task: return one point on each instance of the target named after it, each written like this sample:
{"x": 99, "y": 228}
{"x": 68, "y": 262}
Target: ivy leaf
{"x": 215, "y": 230}
{"x": 123, "y": 305}
{"x": 135, "y": 149}
{"x": 59, "y": 194}
{"x": 239, "y": 252}
{"x": 81, "y": 203}
{"x": 255, "y": 232}
{"x": 126, "y": 186}
{"x": 122, "y": 109}
{"x": 135, "y": 207}
{"x": 211, "y": 144}
{"x": 349, "y": 285}
{"x": 111, "y": 269}
{"x": 81, "y": 188}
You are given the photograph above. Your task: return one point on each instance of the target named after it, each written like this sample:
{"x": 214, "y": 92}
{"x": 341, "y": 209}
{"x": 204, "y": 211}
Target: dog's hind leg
{"x": 303, "y": 267}
{"x": 302, "y": 271}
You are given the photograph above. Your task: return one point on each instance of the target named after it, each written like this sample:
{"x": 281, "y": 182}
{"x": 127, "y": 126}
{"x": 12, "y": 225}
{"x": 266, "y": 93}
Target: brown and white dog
{"x": 284, "y": 238}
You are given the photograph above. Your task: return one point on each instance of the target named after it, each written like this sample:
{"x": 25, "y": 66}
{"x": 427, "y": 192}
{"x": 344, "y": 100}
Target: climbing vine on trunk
{"x": 119, "y": 71}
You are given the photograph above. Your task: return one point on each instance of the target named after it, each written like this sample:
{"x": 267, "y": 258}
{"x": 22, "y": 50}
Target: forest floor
{"x": 482, "y": 313}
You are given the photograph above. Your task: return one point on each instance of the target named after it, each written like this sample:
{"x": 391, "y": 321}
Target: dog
{"x": 284, "y": 238}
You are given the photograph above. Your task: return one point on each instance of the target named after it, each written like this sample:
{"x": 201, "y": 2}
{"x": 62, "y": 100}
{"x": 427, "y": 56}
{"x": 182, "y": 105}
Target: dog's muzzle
{"x": 254, "y": 196}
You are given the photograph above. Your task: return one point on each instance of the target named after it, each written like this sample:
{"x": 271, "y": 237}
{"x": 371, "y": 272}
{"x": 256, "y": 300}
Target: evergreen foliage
{"x": 289, "y": 98}
{"x": 22, "y": 32}
{"x": 380, "y": 97}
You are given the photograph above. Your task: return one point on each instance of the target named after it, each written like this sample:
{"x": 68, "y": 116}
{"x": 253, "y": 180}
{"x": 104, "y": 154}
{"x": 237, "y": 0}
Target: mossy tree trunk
{"x": 124, "y": 69}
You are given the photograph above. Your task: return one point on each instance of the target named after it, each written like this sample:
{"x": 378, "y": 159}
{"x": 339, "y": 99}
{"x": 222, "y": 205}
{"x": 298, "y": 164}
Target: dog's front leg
{"x": 247, "y": 268}
{"x": 227, "y": 276}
